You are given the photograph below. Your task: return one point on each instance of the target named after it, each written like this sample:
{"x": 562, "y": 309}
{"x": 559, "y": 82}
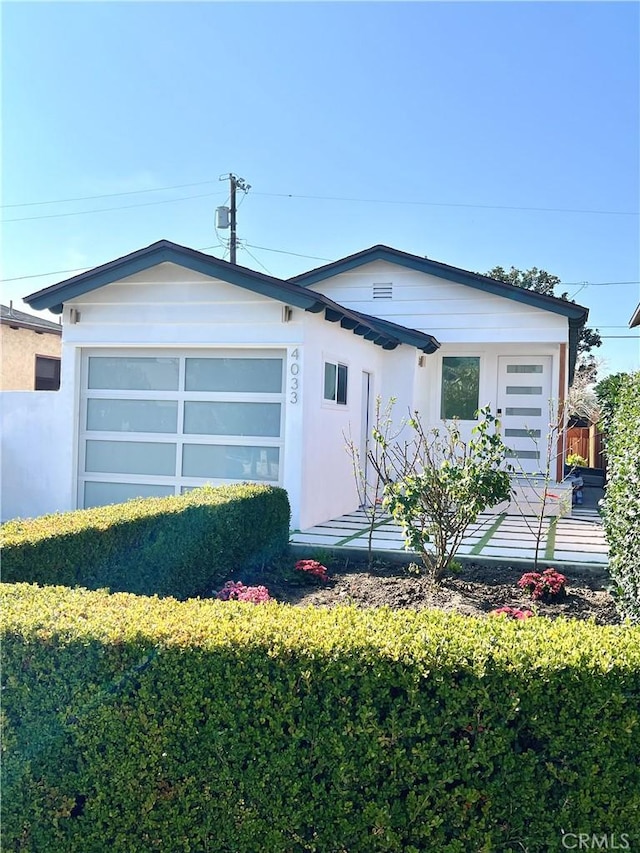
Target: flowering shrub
{"x": 313, "y": 568}
{"x": 237, "y": 591}
{"x": 546, "y": 585}
{"x": 511, "y": 612}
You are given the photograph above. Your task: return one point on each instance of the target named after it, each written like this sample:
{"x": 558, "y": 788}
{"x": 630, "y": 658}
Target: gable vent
{"x": 383, "y": 291}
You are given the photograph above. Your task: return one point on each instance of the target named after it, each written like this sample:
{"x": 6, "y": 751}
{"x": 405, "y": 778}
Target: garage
{"x": 161, "y": 422}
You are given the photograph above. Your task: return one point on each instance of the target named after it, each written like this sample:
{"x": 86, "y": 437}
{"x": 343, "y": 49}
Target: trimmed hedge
{"x": 622, "y": 504}
{"x": 176, "y": 546}
{"x": 148, "y": 724}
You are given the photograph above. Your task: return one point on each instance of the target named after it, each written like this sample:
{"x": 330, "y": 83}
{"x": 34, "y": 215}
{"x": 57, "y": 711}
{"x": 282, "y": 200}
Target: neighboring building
{"x": 635, "y": 318}
{"x": 29, "y": 351}
{"x": 180, "y": 369}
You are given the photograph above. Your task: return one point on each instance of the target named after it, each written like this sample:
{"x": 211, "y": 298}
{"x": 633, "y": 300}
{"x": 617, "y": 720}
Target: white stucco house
{"x": 179, "y": 369}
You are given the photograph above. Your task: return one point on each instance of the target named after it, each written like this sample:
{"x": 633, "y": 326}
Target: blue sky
{"x": 479, "y": 134}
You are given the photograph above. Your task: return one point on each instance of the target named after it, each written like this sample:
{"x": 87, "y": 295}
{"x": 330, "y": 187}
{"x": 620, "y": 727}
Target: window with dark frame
{"x": 460, "y": 388}
{"x": 335, "y": 382}
{"x": 47, "y": 373}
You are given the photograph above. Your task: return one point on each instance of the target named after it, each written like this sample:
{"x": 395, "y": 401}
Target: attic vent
{"x": 383, "y": 291}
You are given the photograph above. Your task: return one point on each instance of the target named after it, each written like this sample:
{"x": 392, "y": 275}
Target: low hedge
{"x": 148, "y": 724}
{"x": 177, "y": 546}
{"x": 622, "y": 497}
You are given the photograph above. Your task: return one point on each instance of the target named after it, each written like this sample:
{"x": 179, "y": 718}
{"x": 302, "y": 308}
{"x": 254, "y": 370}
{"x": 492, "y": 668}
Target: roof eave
{"x": 55, "y": 296}
{"x": 437, "y": 268}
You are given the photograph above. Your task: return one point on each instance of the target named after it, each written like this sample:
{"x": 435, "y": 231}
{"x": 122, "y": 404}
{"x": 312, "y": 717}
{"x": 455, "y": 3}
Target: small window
{"x": 460, "y": 388}
{"x": 335, "y": 382}
{"x": 47, "y": 373}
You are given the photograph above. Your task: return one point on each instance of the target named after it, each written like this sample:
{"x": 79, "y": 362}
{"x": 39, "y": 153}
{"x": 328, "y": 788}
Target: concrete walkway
{"x": 576, "y": 542}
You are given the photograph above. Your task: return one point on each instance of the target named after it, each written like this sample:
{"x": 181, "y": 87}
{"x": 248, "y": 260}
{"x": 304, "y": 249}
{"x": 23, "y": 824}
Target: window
{"x": 47, "y": 373}
{"x": 460, "y": 387}
{"x": 335, "y": 382}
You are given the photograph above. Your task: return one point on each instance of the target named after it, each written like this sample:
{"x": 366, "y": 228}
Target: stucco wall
{"x": 18, "y": 350}
{"x": 36, "y": 453}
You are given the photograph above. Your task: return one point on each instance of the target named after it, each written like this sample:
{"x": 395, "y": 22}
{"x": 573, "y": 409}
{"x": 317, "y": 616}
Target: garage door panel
{"x": 231, "y": 462}
{"x": 232, "y": 418}
{"x": 109, "y": 415}
{"x": 133, "y": 373}
{"x": 131, "y": 457}
{"x": 248, "y": 375}
{"x": 99, "y": 494}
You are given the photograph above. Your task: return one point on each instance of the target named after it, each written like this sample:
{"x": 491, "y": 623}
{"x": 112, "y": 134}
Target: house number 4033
{"x": 294, "y": 380}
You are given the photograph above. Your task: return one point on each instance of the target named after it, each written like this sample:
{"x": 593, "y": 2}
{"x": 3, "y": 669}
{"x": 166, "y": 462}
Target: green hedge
{"x": 622, "y": 503}
{"x": 177, "y": 546}
{"x": 149, "y": 724}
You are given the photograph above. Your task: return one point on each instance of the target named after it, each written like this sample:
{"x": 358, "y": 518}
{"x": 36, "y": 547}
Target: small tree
{"x": 436, "y": 485}
{"x": 370, "y": 486}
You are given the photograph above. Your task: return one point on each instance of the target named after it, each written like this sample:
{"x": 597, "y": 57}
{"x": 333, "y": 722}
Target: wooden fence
{"x": 587, "y": 442}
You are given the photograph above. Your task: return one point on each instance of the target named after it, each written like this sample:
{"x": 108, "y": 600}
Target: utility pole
{"x": 235, "y": 183}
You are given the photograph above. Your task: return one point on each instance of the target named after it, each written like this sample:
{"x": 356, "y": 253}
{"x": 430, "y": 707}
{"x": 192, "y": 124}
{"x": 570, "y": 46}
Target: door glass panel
{"x": 99, "y": 494}
{"x": 252, "y": 375}
{"x": 133, "y": 374}
{"x": 524, "y": 368}
{"x": 524, "y": 389}
{"x": 516, "y": 411}
{"x": 132, "y": 415}
{"x": 522, "y": 433}
{"x": 131, "y": 457}
{"x": 232, "y": 418}
{"x": 523, "y": 454}
{"x": 227, "y": 462}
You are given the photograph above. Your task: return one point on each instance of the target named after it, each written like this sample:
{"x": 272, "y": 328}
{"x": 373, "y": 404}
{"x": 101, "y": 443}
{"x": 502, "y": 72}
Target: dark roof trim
{"x": 164, "y": 251}
{"x": 426, "y": 265}
{"x": 9, "y": 316}
{"x": 387, "y": 335}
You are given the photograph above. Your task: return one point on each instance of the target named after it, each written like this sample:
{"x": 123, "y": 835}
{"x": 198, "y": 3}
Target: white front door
{"x": 524, "y": 408}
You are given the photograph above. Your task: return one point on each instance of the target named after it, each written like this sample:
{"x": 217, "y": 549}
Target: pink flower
{"x": 237, "y": 591}
{"x": 314, "y": 568}
{"x": 511, "y": 612}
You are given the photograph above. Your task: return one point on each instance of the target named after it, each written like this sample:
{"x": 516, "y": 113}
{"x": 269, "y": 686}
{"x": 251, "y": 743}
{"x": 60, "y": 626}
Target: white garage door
{"x": 158, "y": 423}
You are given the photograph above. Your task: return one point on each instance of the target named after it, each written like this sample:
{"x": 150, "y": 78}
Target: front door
{"x": 524, "y": 408}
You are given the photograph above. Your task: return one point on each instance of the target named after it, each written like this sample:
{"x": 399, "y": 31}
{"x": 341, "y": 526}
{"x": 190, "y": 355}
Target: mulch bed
{"x": 474, "y": 591}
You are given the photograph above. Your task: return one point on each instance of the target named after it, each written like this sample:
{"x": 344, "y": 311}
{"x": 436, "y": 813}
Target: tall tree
{"x": 543, "y": 282}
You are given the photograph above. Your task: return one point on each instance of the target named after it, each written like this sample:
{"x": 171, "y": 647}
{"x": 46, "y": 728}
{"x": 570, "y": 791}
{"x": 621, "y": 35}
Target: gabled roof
{"x": 9, "y": 316}
{"x": 635, "y": 318}
{"x": 576, "y": 313}
{"x": 386, "y": 335}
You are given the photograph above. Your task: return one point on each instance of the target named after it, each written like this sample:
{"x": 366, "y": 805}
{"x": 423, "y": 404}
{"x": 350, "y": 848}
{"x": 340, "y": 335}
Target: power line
{"x": 82, "y": 269}
{"x": 106, "y": 195}
{"x": 293, "y": 196}
{"x": 450, "y": 204}
{"x": 244, "y": 247}
{"x": 295, "y": 254}
{"x": 107, "y": 209}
